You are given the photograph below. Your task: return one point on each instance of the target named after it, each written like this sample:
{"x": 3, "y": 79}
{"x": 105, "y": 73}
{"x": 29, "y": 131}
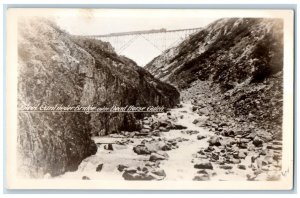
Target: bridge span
{"x": 161, "y": 39}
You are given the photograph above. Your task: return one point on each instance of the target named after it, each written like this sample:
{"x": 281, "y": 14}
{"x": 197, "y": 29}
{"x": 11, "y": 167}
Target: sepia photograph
{"x": 150, "y": 99}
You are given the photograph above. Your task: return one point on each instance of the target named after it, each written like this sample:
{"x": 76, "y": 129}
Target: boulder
{"x": 201, "y": 177}
{"x": 99, "y": 167}
{"x": 141, "y": 150}
{"x": 109, "y": 147}
{"x": 137, "y": 176}
{"x": 146, "y": 122}
{"x": 159, "y": 172}
{"x": 155, "y": 156}
{"x": 234, "y": 161}
{"x": 194, "y": 108}
{"x": 229, "y": 133}
{"x": 130, "y": 170}
{"x": 226, "y": 167}
{"x": 179, "y": 127}
{"x": 163, "y": 129}
{"x": 191, "y": 132}
{"x": 242, "y": 155}
{"x": 205, "y": 165}
{"x": 166, "y": 147}
{"x": 202, "y": 172}
{"x": 145, "y": 130}
{"x": 241, "y": 166}
{"x": 257, "y": 142}
{"x": 147, "y": 127}
{"x": 121, "y": 167}
{"x": 163, "y": 153}
{"x": 200, "y": 137}
{"x": 196, "y": 121}
{"x": 214, "y": 141}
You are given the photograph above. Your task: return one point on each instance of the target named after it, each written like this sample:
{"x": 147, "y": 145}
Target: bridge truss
{"x": 160, "y": 39}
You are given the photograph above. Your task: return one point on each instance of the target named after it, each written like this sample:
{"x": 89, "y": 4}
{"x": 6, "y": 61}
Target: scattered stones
{"x": 143, "y": 173}
{"x": 99, "y": 167}
{"x": 206, "y": 165}
{"x": 191, "y": 132}
{"x": 124, "y": 141}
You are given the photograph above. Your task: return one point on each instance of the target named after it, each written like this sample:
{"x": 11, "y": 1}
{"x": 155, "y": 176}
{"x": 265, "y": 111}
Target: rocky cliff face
{"x": 242, "y": 60}
{"x": 56, "y": 68}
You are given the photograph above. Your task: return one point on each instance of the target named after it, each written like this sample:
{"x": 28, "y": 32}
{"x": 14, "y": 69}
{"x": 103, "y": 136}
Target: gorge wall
{"x": 240, "y": 60}
{"x": 57, "y": 68}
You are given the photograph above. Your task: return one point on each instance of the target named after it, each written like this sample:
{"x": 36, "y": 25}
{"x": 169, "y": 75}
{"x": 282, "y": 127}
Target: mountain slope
{"x": 241, "y": 59}
{"x": 56, "y": 68}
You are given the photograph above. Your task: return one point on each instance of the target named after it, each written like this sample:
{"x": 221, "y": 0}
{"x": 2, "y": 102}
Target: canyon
{"x": 218, "y": 94}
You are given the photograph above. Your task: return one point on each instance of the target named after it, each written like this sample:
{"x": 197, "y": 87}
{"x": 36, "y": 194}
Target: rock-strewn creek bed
{"x": 173, "y": 146}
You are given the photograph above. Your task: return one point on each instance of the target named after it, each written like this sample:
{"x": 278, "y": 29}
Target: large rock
{"x": 257, "y": 142}
{"x": 121, "y": 167}
{"x": 141, "y": 150}
{"x": 201, "y": 177}
{"x": 155, "y": 157}
{"x": 137, "y": 176}
{"x": 214, "y": 141}
{"x": 204, "y": 165}
{"x": 99, "y": 167}
{"x": 55, "y": 68}
{"x": 159, "y": 172}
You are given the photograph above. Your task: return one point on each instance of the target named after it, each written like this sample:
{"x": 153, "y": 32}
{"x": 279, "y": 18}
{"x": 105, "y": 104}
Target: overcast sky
{"x": 101, "y": 21}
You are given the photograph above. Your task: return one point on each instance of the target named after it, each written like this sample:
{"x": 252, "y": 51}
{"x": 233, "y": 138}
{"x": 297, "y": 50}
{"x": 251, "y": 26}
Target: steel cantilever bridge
{"x": 161, "y": 39}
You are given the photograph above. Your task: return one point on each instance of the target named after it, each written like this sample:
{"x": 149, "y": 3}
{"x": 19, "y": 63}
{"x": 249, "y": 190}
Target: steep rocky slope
{"x": 240, "y": 61}
{"x": 56, "y": 68}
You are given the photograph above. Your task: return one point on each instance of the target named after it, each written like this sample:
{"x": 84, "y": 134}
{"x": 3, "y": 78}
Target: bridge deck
{"x": 155, "y": 31}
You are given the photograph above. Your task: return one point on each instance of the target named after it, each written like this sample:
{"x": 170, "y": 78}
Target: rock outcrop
{"x": 240, "y": 60}
{"x": 57, "y": 68}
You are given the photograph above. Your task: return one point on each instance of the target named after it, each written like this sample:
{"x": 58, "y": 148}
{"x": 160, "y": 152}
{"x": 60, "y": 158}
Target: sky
{"x": 100, "y": 21}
